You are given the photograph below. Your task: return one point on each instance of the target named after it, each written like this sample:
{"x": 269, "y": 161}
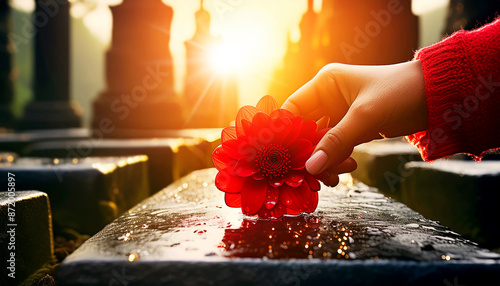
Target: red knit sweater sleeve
{"x": 462, "y": 87}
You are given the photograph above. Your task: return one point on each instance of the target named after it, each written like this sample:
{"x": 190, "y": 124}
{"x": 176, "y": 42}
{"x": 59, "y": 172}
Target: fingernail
{"x": 316, "y": 162}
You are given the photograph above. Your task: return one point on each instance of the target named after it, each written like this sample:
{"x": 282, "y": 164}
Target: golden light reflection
{"x": 132, "y": 257}
{"x": 291, "y": 237}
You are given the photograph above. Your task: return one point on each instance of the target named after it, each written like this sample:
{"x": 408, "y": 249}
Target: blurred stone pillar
{"x": 6, "y": 83}
{"x": 211, "y": 96}
{"x": 139, "y": 73}
{"x": 367, "y": 32}
{"x": 51, "y": 107}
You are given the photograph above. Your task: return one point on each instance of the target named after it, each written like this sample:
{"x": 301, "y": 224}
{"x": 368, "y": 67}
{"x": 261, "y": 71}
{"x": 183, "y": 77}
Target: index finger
{"x": 305, "y": 101}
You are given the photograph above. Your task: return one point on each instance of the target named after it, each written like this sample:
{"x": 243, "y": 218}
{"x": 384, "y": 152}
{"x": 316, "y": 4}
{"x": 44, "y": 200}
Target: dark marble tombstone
{"x": 51, "y": 107}
{"x": 139, "y": 73}
{"x": 211, "y": 95}
{"x": 25, "y": 234}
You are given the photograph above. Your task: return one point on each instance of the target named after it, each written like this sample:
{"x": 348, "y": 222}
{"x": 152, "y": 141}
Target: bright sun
{"x": 225, "y": 57}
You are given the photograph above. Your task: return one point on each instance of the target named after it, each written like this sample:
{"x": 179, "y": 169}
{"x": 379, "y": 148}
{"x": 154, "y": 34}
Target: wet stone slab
{"x": 463, "y": 195}
{"x": 185, "y": 235}
{"x": 25, "y": 234}
{"x": 169, "y": 158}
{"x": 85, "y": 194}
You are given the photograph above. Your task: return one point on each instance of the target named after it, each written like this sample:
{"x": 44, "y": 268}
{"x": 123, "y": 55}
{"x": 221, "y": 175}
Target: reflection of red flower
{"x": 261, "y": 161}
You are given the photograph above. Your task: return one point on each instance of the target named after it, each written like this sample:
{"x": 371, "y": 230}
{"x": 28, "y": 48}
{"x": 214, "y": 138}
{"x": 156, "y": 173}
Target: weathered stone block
{"x": 17, "y": 141}
{"x": 169, "y": 158}
{"x": 463, "y": 195}
{"x": 86, "y": 194}
{"x": 381, "y": 164}
{"x": 25, "y": 233}
{"x": 185, "y": 235}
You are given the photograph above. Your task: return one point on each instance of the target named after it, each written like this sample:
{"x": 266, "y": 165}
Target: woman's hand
{"x": 364, "y": 103}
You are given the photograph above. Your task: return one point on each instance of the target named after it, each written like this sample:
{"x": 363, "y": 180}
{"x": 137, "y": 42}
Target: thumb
{"x": 337, "y": 144}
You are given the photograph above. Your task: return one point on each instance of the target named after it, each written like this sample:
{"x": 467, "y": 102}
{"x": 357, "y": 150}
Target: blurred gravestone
{"x": 169, "y": 158}
{"x": 139, "y": 72}
{"x": 51, "y": 107}
{"x": 85, "y": 194}
{"x": 25, "y": 233}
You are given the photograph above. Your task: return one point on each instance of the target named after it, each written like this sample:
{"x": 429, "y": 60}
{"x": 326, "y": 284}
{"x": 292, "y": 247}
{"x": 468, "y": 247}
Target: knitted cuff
{"x": 454, "y": 71}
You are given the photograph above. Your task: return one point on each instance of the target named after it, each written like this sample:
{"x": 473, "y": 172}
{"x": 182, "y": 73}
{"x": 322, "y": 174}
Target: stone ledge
{"x": 32, "y": 233}
{"x": 169, "y": 158}
{"x": 463, "y": 195}
{"x": 85, "y": 194}
{"x": 17, "y": 141}
{"x": 186, "y": 235}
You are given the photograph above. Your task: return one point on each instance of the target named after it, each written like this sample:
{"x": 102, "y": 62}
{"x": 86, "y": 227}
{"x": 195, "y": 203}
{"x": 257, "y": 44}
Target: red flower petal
{"x": 272, "y": 197}
{"x": 267, "y": 104}
{"x": 253, "y": 196}
{"x": 312, "y": 182}
{"x": 280, "y": 127}
{"x": 245, "y": 167}
{"x": 308, "y": 130}
{"x": 246, "y": 112}
{"x": 319, "y": 135}
{"x": 294, "y": 132}
{"x": 239, "y": 149}
{"x": 228, "y": 183}
{"x": 300, "y": 150}
{"x": 299, "y": 161}
{"x": 233, "y": 200}
{"x": 276, "y": 212}
{"x": 261, "y": 120}
{"x": 276, "y": 182}
{"x": 299, "y": 146}
{"x": 323, "y": 122}
{"x": 292, "y": 212}
{"x": 258, "y": 176}
{"x": 313, "y": 202}
{"x": 220, "y": 158}
{"x": 247, "y": 127}
{"x": 228, "y": 133}
{"x": 222, "y": 180}
{"x": 294, "y": 179}
{"x": 295, "y": 198}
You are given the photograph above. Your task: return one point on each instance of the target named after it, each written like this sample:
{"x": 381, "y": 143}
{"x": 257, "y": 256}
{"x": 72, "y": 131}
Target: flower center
{"x": 273, "y": 160}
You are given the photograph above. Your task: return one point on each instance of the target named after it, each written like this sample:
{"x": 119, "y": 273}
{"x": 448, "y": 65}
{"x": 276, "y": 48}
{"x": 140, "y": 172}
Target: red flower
{"x": 261, "y": 161}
